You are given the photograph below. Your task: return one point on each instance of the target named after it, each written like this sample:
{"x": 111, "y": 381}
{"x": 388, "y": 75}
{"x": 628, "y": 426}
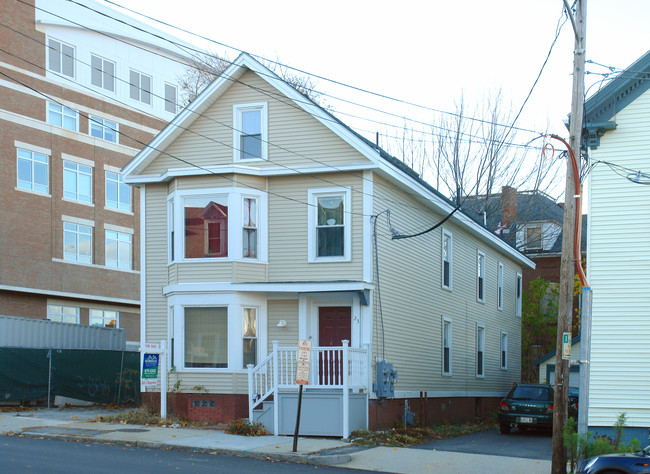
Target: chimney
{"x": 508, "y": 206}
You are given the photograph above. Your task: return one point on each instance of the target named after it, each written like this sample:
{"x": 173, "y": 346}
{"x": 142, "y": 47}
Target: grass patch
{"x": 148, "y": 417}
{"x": 400, "y": 437}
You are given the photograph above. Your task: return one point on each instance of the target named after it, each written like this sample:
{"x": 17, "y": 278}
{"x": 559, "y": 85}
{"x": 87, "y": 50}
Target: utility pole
{"x": 567, "y": 265}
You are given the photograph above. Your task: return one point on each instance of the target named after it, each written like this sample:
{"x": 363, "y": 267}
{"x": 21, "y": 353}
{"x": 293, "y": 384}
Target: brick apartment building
{"x": 80, "y": 94}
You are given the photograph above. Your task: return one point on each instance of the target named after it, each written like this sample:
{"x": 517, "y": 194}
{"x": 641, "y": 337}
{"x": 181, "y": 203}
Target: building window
{"x": 118, "y": 194}
{"x": 171, "y": 224}
{"x": 170, "y": 98}
{"x": 250, "y": 131}
{"x": 500, "y": 286}
{"x": 33, "y": 171}
{"x": 480, "y": 350}
{"x": 206, "y": 337}
{"x": 102, "y": 73}
{"x": 206, "y": 227}
{"x": 118, "y": 250}
{"x": 140, "y": 87}
{"x": 104, "y": 318}
{"x": 249, "y": 226}
{"x": 329, "y": 225}
{"x": 446, "y": 346}
{"x": 480, "y": 277}
{"x": 60, "y": 57}
{"x": 77, "y": 242}
{"x": 504, "y": 350}
{"x": 63, "y": 314}
{"x": 102, "y": 128}
{"x": 518, "y": 294}
{"x": 250, "y": 336}
{"x": 77, "y": 181}
{"x": 61, "y": 116}
{"x": 447, "y": 259}
{"x": 533, "y": 238}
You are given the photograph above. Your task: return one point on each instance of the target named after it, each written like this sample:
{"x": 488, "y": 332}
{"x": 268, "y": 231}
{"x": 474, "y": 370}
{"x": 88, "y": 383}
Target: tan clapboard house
{"x": 261, "y": 212}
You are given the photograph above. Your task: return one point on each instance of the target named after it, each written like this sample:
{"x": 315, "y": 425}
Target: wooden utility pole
{"x": 567, "y": 272}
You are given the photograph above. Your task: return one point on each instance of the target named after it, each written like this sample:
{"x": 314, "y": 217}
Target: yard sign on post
{"x": 154, "y": 361}
{"x": 302, "y": 378}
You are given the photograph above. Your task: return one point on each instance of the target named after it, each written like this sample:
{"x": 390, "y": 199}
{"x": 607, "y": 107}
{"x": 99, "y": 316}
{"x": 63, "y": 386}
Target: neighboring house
{"x": 617, "y": 127}
{"x": 258, "y": 232}
{"x": 546, "y": 365}
{"x": 81, "y": 94}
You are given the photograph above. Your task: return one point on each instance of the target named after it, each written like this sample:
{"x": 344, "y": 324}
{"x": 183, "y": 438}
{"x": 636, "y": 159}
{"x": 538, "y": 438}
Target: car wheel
{"x": 504, "y": 428}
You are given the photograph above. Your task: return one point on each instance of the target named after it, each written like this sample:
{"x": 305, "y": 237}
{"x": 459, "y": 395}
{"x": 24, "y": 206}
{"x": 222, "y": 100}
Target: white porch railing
{"x": 342, "y": 367}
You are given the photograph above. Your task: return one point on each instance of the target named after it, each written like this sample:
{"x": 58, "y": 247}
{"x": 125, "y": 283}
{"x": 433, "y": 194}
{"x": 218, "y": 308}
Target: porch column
{"x": 276, "y": 397}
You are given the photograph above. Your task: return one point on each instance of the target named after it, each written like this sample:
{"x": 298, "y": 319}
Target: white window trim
{"x": 503, "y": 349}
{"x": 480, "y": 326}
{"x": 49, "y": 314}
{"x": 95, "y": 120}
{"x": 74, "y": 58}
{"x": 446, "y": 319}
{"x": 257, "y": 228}
{"x": 519, "y": 293}
{"x": 237, "y": 129}
{"x": 117, "y": 318}
{"x": 130, "y": 234}
{"x": 47, "y": 117}
{"x": 480, "y": 254}
{"x": 257, "y": 339}
{"x": 165, "y": 98}
{"x": 151, "y": 89}
{"x": 312, "y": 219}
{"x": 84, "y": 222}
{"x": 447, "y": 233}
{"x": 500, "y": 286}
{"x": 77, "y": 172}
{"x": 41, "y": 151}
{"x": 527, "y": 245}
{"x": 104, "y": 59}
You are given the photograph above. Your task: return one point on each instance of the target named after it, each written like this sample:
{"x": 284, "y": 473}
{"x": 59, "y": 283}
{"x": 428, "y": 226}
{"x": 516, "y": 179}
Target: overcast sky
{"x": 426, "y": 52}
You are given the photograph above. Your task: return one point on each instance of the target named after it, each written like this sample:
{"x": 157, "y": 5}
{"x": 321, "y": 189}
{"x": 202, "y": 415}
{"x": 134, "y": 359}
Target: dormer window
{"x": 249, "y": 132}
{"x": 533, "y": 238}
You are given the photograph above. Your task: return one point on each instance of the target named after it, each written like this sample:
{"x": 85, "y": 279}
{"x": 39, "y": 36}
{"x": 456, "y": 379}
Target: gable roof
{"x": 378, "y": 158}
{"x": 624, "y": 89}
{"x": 548, "y": 355}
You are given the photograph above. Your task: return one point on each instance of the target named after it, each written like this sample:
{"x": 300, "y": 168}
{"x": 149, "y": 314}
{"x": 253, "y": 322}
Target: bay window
{"x": 206, "y": 227}
{"x": 249, "y": 228}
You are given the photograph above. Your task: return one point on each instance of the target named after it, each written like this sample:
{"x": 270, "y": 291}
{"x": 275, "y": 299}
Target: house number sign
{"x": 304, "y": 361}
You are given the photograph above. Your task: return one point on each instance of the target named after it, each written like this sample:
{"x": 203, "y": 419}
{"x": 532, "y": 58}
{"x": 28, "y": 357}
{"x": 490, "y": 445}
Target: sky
{"x": 430, "y": 53}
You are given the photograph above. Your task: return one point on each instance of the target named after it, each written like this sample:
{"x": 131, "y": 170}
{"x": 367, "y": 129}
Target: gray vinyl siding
{"x": 414, "y": 303}
{"x": 287, "y": 310}
{"x": 296, "y": 138}
{"x": 618, "y": 273}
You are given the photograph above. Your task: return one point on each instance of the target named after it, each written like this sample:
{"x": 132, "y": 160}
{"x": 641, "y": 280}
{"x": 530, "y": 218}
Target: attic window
{"x": 533, "y": 238}
{"x": 250, "y": 132}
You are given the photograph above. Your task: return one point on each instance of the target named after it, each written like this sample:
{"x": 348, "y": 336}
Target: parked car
{"x": 638, "y": 462}
{"x": 526, "y": 406}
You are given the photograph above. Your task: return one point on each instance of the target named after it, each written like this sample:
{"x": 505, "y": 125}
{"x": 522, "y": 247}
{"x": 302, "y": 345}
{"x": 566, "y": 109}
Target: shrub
{"x": 245, "y": 427}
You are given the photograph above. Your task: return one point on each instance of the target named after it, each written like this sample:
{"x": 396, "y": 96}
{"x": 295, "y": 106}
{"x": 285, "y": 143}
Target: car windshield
{"x": 531, "y": 393}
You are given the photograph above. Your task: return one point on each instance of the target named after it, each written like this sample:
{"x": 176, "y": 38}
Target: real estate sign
{"x": 150, "y": 364}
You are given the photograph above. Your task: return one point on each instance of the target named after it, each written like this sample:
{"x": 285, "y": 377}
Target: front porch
{"x": 335, "y": 402}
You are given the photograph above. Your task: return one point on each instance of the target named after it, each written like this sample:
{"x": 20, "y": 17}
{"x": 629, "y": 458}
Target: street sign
{"x": 566, "y": 345}
{"x": 304, "y": 361}
{"x": 150, "y": 364}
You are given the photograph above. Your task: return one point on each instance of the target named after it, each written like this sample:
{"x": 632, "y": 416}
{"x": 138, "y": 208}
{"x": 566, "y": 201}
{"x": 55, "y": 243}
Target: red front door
{"x": 334, "y": 325}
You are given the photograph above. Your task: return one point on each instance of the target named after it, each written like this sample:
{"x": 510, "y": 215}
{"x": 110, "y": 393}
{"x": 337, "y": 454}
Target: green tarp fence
{"x": 90, "y": 375}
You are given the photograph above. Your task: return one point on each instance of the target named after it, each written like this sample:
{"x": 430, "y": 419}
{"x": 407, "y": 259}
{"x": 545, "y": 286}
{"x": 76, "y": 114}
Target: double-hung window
{"x": 447, "y": 259}
{"x": 446, "y": 346}
{"x": 77, "y": 242}
{"x": 104, "y": 318}
{"x": 63, "y": 314}
{"x": 329, "y": 225}
{"x": 250, "y": 336}
{"x": 62, "y": 116}
{"x": 60, "y": 57}
{"x": 500, "y": 286}
{"x": 480, "y": 277}
{"x": 480, "y": 350}
{"x": 249, "y": 228}
{"x": 504, "y": 350}
{"x": 206, "y": 226}
{"x": 33, "y": 171}
{"x": 140, "y": 87}
{"x": 102, "y": 73}
{"x": 103, "y": 128}
{"x": 250, "y": 131}
{"x": 118, "y": 250}
{"x": 206, "y": 337}
{"x": 118, "y": 194}
{"x": 170, "y": 98}
{"x": 77, "y": 181}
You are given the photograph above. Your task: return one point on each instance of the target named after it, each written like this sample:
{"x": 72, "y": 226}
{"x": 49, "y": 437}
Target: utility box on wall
{"x": 384, "y": 387}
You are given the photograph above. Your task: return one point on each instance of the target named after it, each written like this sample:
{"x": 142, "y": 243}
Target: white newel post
{"x": 250, "y": 391}
{"x": 346, "y": 392}
{"x": 276, "y": 382}
{"x": 368, "y": 378}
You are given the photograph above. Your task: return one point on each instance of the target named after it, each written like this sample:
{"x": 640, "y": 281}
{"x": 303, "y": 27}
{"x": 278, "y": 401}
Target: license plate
{"x": 525, "y": 419}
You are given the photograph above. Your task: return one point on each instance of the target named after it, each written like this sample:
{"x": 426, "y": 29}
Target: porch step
{"x": 264, "y": 415}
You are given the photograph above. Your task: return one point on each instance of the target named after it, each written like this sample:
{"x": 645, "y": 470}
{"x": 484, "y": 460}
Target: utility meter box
{"x": 384, "y": 387}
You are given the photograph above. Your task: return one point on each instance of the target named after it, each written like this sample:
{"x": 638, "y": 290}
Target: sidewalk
{"x": 73, "y": 424}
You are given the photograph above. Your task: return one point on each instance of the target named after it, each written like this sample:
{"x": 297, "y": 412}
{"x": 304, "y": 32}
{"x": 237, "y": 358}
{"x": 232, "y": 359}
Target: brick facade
{"x": 217, "y": 408}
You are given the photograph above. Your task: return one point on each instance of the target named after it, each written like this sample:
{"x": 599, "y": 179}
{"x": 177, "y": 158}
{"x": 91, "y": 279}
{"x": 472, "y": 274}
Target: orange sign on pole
{"x": 304, "y": 361}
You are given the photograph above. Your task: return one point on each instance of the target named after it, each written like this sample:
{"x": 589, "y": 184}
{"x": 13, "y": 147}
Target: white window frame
{"x": 171, "y": 232}
{"x": 104, "y": 76}
{"x": 171, "y": 103}
{"x": 480, "y": 276}
{"x": 78, "y": 227}
{"x": 51, "y": 313}
{"x": 63, "y": 112}
{"x": 238, "y": 109}
{"x": 447, "y": 321}
{"x": 447, "y": 235}
{"x": 30, "y": 186}
{"x": 527, "y": 244}
{"x": 139, "y": 88}
{"x": 255, "y": 337}
{"x": 500, "y": 286}
{"x": 74, "y": 167}
{"x": 103, "y": 316}
{"x": 61, "y": 55}
{"x": 105, "y": 127}
{"x": 312, "y": 221}
{"x": 122, "y": 239}
{"x": 480, "y": 350}
{"x": 518, "y": 294}
{"x": 115, "y": 205}
{"x": 503, "y": 354}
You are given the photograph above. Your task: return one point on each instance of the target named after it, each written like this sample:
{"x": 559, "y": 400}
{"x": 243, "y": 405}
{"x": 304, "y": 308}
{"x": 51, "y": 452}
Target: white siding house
{"x": 618, "y": 128}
